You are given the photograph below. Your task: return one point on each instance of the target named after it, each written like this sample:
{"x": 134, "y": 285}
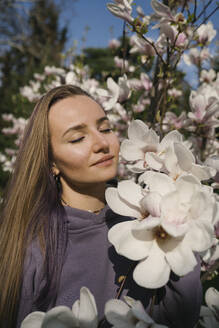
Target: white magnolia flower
{"x": 174, "y": 158}
{"x": 130, "y": 315}
{"x": 174, "y": 219}
{"x": 140, "y": 140}
{"x": 206, "y": 33}
{"x": 122, "y": 9}
{"x": 210, "y": 315}
{"x": 82, "y": 315}
{"x": 207, "y": 76}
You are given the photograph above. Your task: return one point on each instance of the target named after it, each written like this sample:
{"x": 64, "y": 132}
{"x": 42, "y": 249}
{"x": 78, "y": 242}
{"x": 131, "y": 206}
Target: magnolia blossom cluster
{"x": 84, "y": 314}
{"x": 174, "y": 212}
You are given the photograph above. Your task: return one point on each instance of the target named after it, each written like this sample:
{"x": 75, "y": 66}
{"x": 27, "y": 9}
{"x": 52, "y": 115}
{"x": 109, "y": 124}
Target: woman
{"x": 55, "y": 221}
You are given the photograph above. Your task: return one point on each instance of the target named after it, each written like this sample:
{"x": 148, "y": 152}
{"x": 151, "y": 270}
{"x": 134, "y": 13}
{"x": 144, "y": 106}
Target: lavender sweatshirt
{"x": 91, "y": 261}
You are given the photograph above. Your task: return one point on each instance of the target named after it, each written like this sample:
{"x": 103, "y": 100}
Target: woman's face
{"x": 85, "y": 150}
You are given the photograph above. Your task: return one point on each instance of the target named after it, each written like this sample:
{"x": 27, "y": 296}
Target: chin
{"x": 106, "y": 176}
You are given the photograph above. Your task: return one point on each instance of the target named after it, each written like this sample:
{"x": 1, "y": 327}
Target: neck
{"x": 88, "y": 198}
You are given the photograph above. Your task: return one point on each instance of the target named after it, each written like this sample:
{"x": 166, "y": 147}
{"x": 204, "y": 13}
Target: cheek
{"x": 115, "y": 145}
{"x": 70, "y": 158}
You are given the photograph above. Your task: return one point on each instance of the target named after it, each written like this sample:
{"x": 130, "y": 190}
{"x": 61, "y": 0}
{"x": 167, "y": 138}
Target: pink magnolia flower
{"x": 172, "y": 121}
{"x": 178, "y": 39}
{"x": 203, "y": 110}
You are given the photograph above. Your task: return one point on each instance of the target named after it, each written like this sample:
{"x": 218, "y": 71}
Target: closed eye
{"x": 106, "y": 130}
{"x": 77, "y": 140}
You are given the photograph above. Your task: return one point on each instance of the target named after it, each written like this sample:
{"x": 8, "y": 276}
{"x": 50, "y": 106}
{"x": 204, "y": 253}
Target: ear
{"x": 55, "y": 170}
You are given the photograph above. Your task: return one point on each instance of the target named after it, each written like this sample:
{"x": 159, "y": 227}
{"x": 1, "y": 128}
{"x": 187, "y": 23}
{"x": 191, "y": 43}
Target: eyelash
{"x": 81, "y": 138}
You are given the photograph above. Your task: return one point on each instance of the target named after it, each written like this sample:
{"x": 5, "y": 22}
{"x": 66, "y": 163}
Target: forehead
{"x": 73, "y": 111}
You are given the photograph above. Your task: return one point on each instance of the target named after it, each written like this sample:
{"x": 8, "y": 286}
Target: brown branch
{"x": 149, "y": 42}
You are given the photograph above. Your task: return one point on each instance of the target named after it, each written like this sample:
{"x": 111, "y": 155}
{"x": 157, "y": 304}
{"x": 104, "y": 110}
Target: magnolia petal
{"x": 88, "y": 310}
{"x": 141, "y": 324}
{"x": 186, "y": 186}
{"x": 102, "y": 92}
{"x": 60, "y": 317}
{"x": 181, "y": 259}
{"x": 147, "y": 224}
{"x": 154, "y": 161}
{"x": 75, "y": 311}
{"x": 126, "y": 243}
{"x": 157, "y": 182}
{"x": 203, "y": 172}
{"x": 137, "y": 130}
{"x": 138, "y": 167}
{"x": 202, "y": 206}
{"x": 139, "y": 312}
{"x": 171, "y": 211}
{"x": 154, "y": 271}
{"x": 131, "y": 192}
{"x": 119, "y": 206}
{"x": 130, "y": 151}
{"x": 33, "y": 320}
{"x": 113, "y": 87}
{"x": 200, "y": 236}
{"x": 161, "y": 9}
{"x": 212, "y": 298}
{"x": 151, "y": 203}
{"x": 175, "y": 230}
{"x": 184, "y": 156}
{"x": 152, "y": 139}
{"x": 170, "y": 161}
{"x": 172, "y": 136}
{"x": 116, "y": 313}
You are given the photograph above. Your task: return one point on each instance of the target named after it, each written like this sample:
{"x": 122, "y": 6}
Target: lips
{"x": 103, "y": 159}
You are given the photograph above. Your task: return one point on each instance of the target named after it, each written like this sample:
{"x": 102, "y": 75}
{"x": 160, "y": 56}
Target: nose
{"x": 100, "y": 142}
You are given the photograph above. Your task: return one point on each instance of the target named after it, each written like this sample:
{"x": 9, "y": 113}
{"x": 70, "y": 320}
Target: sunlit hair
{"x": 32, "y": 210}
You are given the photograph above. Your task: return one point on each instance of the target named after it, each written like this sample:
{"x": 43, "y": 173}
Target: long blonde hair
{"x": 31, "y": 198}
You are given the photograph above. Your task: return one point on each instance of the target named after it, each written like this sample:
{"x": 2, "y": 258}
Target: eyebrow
{"x": 82, "y": 126}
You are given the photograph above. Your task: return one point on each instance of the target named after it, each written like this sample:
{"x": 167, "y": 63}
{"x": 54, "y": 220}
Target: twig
{"x": 195, "y": 9}
{"x": 152, "y": 304}
{"x": 212, "y": 13}
{"x": 203, "y": 10}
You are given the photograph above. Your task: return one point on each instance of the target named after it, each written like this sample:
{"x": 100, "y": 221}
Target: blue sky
{"x": 103, "y": 25}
